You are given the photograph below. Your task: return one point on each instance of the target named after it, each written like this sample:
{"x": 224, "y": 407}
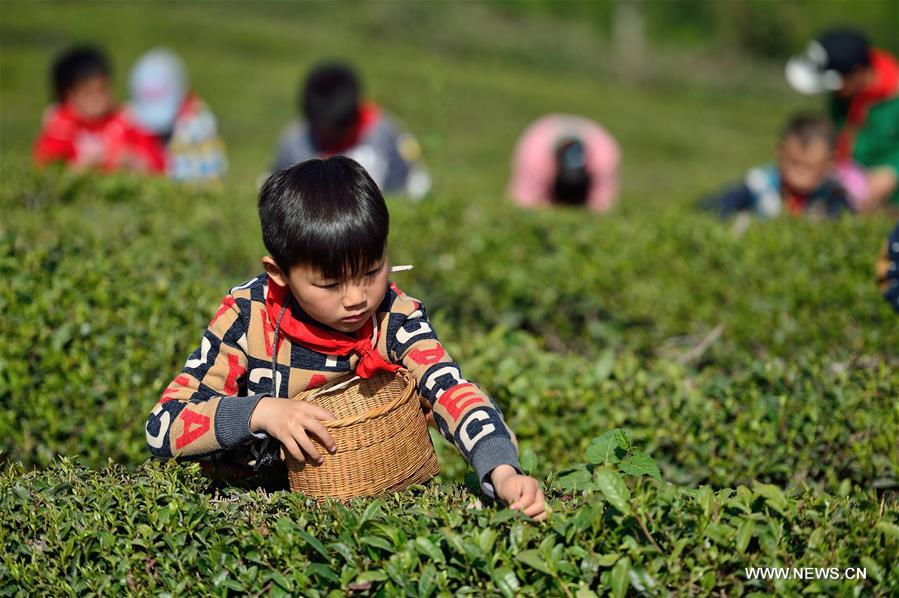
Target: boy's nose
{"x": 354, "y": 298}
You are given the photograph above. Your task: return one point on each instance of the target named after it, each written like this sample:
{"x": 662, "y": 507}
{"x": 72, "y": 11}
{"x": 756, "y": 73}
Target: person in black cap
{"x": 863, "y": 83}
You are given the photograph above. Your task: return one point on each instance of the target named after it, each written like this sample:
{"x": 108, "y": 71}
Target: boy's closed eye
{"x": 327, "y": 284}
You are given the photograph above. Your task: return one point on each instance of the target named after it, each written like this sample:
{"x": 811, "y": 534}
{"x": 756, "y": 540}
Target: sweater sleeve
{"x": 463, "y": 413}
{"x": 888, "y": 270}
{"x": 202, "y": 411}
{"x": 730, "y": 201}
{"x": 53, "y": 148}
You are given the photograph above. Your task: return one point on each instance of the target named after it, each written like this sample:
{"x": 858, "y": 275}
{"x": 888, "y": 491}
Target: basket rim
{"x": 366, "y": 415}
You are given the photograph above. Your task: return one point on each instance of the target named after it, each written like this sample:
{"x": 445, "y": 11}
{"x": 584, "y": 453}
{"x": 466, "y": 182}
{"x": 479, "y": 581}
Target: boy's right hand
{"x": 291, "y": 422}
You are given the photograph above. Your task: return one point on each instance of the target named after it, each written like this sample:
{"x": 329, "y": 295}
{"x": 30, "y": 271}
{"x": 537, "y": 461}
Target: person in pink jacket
{"x": 565, "y": 159}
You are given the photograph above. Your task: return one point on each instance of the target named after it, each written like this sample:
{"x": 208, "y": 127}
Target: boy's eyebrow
{"x": 322, "y": 279}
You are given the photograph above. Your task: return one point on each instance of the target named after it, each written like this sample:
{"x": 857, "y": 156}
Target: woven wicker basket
{"x": 381, "y": 436}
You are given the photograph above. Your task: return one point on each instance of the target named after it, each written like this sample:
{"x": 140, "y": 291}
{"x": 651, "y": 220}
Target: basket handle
{"x": 341, "y": 382}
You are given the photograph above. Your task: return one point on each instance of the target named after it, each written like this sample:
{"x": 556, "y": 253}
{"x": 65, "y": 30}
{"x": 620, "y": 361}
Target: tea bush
{"x": 642, "y": 280}
{"x": 108, "y": 283}
{"x": 72, "y": 530}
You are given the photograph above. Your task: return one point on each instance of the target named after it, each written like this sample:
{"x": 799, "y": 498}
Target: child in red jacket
{"x": 85, "y": 129}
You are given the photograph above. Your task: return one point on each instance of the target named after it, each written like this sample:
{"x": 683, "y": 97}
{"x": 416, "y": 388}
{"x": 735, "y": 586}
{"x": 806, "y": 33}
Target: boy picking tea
{"x": 324, "y": 307}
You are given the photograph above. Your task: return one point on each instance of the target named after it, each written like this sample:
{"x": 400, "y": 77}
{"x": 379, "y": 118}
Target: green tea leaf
{"x": 619, "y": 577}
{"x": 585, "y": 592}
{"x": 377, "y": 542}
{"x": 503, "y": 516}
{"x": 607, "y": 560}
{"x": 602, "y": 448}
{"x": 532, "y": 558}
{"x": 373, "y": 575}
{"x": 505, "y": 581}
{"x": 427, "y": 583}
{"x": 744, "y": 535}
{"x": 773, "y": 495}
{"x": 873, "y": 568}
{"x": 640, "y": 463}
{"x": 372, "y": 510}
{"x": 429, "y": 549}
{"x": 889, "y": 529}
{"x": 578, "y": 480}
{"x": 486, "y": 539}
{"x": 528, "y": 460}
{"x": 314, "y": 543}
{"x": 613, "y": 488}
{"x": 282, "y": 581}
{"x": 324, "y": 572}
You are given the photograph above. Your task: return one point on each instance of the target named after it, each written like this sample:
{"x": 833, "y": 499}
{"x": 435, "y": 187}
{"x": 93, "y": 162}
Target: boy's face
{"x": 91, "y": 98}
{"x": 343, "y": 305}
{"x": 803, "y": 166}
{"x": 855, "y": 82}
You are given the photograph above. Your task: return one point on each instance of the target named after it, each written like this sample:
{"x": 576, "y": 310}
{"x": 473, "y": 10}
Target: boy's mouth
{"x": 355, "y": 318}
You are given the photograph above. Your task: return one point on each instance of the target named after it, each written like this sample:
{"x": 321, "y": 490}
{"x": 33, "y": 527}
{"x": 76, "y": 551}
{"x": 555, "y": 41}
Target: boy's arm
{"x": 839, "y": 201}
{"x": 888, "y": 270}
{"x": 463, "y": 413}
{"x": 199, "y": 412}
{"x": 49, "y": 148}
{"x": 730, "y": 201}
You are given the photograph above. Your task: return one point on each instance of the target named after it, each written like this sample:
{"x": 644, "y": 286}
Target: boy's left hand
{"x": 520, "y": 492}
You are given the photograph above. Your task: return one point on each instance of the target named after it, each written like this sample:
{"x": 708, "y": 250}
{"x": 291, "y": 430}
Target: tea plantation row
{"x": 69, "y": 530}
{"x": 575, "y": 324}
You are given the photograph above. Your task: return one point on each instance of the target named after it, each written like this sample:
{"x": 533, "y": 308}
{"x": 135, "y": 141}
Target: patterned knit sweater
{"x": 888, "y": 270}
{"x": 205, "y": 411}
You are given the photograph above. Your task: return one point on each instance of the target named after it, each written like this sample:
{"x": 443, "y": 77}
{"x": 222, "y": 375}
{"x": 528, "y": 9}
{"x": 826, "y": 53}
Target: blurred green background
{"x": 699, "y": 104}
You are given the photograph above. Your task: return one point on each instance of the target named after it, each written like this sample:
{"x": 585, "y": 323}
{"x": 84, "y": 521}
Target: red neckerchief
{"x": 368, "y": 114}
{"x": 328, "y": 342}
{"x": 796, "y": 203}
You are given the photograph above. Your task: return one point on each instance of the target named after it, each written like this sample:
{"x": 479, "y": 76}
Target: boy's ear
{"x": 275, "y": 274}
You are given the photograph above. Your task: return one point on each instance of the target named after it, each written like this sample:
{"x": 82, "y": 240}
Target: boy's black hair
{"x": 329, "y": 98}
{"x": 75, "y": 65}
{"x": 328, "y": 214}
{"x": 809, "y": 127}
{"x": 572, "y": 181}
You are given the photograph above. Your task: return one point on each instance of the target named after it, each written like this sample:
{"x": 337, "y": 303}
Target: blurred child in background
{"x": 85, "y": 128}
{"x": 888, "y": 270}
{"x": 863, "y": 83}
{"x": 802, "y": 180}
{"x": 163, "y": 104}
{"x": 563, "y": 159}
{"x": 339, "y": 121}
